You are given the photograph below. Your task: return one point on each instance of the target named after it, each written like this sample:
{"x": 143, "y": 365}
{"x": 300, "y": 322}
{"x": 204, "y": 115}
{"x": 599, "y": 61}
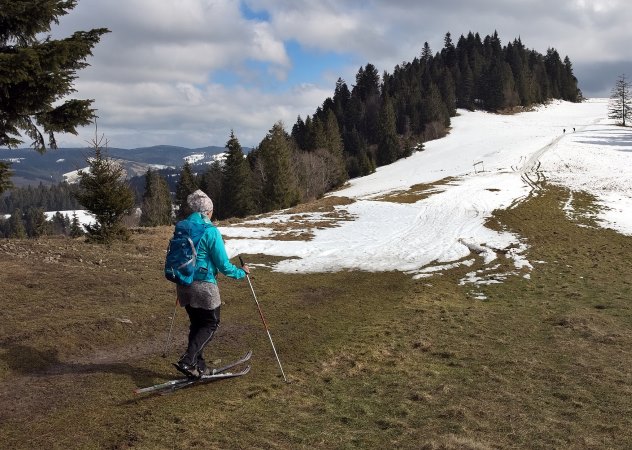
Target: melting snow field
{"x": 487, "y": 162}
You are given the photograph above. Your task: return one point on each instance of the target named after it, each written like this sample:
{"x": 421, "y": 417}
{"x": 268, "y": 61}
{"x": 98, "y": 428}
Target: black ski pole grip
{"x": 241, "y": 261}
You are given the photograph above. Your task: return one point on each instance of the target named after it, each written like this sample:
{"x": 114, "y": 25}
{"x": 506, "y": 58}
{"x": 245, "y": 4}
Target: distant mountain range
{"x": 31, "y": 168}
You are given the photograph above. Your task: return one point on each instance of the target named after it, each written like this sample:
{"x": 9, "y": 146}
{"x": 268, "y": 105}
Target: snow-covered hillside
{"x": 487, "y": 162}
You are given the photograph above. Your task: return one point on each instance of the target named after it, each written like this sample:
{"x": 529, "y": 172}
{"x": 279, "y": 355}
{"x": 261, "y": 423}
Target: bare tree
{"x": 620, "y": 99}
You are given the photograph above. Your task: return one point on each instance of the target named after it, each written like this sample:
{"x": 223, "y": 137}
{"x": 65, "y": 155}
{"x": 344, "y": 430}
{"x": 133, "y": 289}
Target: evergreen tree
{"x": 620, "y": 101}
{"x": 36, "y": 72}
{"x": 156, "y": 207}
{"x": 104, "y": 192}
{"x": 5, "y": 177}
{"x": 448, "y": 95}
{"x": 236, "y": 187}
{"x": 426, "y": 53}
{"x": 570, "y": 91}
{"x": 492, "y": 86}
{"x": 36, "y": 224}
{"x": 300, "y": 133}
{"x": 554, "y": 70}
{"x": 335, "y": 147}
{"x": 317, "y": 138}
{"x": 211, "y": 183}
{"x": 434, "y": 110}
{"x": 186, "y": 185}
{"x": 388, "y": 146}
{"x": 465, "y": 90}
{"x": 342, "y": 95}
{"x": 279, "y": 188}
{"x": 367, "y": 93}
{"x": 16, "y": 225}
{"x": 76, "y": 229}
{"x": 60, "y": 224}
{"x": 449, "y": 51}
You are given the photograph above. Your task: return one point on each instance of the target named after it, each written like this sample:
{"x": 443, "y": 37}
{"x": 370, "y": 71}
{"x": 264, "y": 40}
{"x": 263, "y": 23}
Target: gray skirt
{"x": 201, "y": 294}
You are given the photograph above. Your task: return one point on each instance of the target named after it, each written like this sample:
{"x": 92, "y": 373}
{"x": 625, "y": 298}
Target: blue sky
{"x": 187, "y": 72}
{"x": 307, "y": 67}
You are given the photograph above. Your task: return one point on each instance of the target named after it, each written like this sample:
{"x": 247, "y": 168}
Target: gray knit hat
{"x": 198, "y": 201}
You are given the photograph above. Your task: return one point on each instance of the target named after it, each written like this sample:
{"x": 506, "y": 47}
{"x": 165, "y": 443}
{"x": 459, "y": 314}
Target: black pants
{"x": 204, "y": 322}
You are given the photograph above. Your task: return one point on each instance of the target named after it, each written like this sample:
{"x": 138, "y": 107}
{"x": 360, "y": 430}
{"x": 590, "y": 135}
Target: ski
{"x": 241, "y": 360}
{"x": 173, "y": 385}
{"x": 230, "y": 365}
{"x": 207, "y": 378}
{"x": 215, "y": 375}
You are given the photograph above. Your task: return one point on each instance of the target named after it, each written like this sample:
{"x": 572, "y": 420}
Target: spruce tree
{"x": 237, "y": 198}
{"x": 36, "y": 223}
{"x": 76, "y": 229}
{"x": 16, "y": 225}
{"x": 465, "y": 90}
{"x": 492, "y": 85}
{"x": 60, "y": 224}
{"x": 37, "y": 73}
{"x": 620, "y": 101}
{"x": 299, "y": 133}
{"x": 186, "y": 185}
{"x": 554, "y": 69}
{"x": 570, "y": 91}
{"x": 342, "y": 95}
{"x": 388, "y": 145}
{"x": 5, "y": 177}
{"x": 104, "y": 192}
{"x": 335, "y": 147}
{"x": 211, "y": 183}
{"x": 367, "y": 92}
{"x": 156, "y": 207}
{"x": 426, "y": 53}
{"x": 317, "y": 139}
{"x": 279, "y": 188}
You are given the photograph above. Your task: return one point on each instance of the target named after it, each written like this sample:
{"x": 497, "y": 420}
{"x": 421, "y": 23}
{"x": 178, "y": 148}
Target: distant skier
{"x": 201, "y": 299}
{"x": 564, "y": 131}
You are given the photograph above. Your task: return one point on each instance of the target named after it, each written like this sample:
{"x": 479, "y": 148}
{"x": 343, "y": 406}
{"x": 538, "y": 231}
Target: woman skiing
{"x": 201, "y": 299}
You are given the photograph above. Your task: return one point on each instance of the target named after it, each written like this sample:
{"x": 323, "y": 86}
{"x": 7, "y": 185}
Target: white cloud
{"x": 183, "y": 114}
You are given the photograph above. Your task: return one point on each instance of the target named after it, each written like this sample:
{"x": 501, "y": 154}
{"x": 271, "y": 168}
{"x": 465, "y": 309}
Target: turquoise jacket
{"x": 212, "y": 257}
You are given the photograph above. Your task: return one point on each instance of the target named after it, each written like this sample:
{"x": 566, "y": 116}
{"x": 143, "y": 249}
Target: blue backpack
{"x": 182, "y": 252}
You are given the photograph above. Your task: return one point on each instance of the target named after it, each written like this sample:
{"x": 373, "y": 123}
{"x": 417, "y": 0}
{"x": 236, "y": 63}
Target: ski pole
{"x": 264, "y": 321}
{"x": 173, "y": 316}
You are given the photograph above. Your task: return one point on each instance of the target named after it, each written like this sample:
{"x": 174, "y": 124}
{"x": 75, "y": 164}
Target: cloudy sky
{"x": 186, "y": 72}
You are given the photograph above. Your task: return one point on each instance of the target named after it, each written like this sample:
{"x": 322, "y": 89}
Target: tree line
{"x": 32, "y": 223}
{"x": 57, "y": 197}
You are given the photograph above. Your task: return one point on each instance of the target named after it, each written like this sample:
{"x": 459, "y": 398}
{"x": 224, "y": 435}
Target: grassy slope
{"x": 375, "y": 360}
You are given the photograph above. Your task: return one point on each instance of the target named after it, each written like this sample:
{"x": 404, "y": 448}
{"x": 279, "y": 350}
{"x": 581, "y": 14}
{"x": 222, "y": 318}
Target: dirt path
{"x": 37, "y": 394}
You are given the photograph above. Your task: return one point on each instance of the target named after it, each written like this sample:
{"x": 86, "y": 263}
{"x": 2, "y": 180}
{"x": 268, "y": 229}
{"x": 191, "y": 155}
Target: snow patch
{"x": 192, "y": 159}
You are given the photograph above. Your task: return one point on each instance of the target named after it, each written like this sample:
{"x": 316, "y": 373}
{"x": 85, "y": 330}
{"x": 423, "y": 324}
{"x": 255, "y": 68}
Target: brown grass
{"x": 301, "y": 225}
{"x": 416, "y": 192}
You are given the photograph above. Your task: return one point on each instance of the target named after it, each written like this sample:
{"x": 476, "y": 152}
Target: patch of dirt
{"x": 301, "y": 222}
{"x": 416, "y": 192}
